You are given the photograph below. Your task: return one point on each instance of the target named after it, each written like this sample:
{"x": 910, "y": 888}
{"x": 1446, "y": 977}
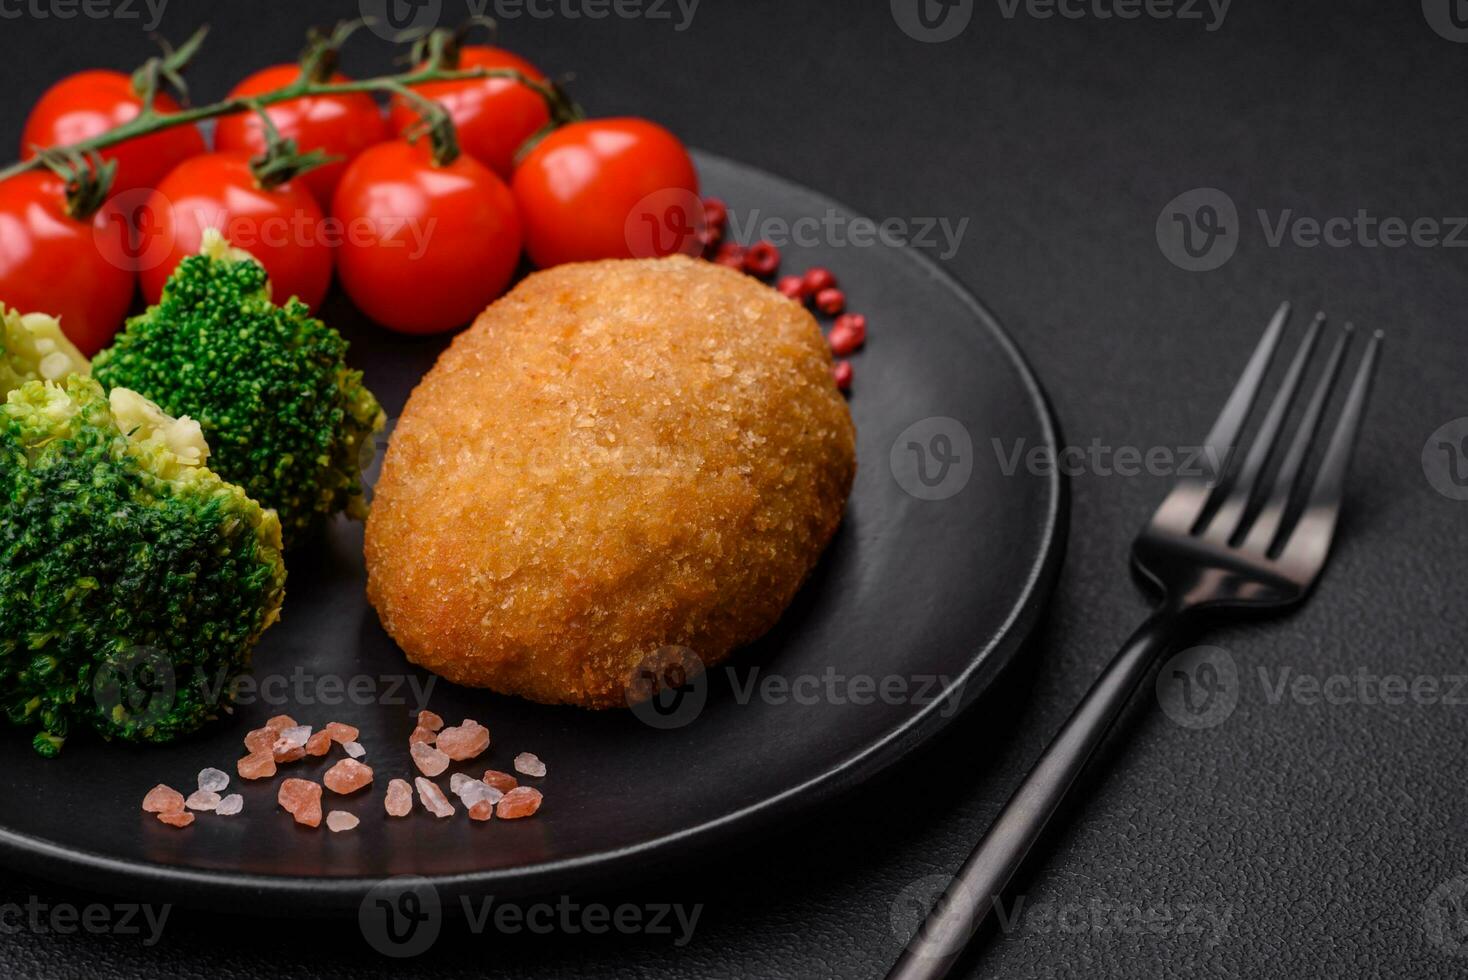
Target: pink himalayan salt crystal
{"x": 501, "y": 781}
{"x": 260, "y": 740}
{"x": 482, "y": 810}
{"x": 427, "y": 719}
{"x": 280, "y": 723}
{"x": 318, "y": 744}
{"x": 522, "y": 801}
{"x": 463, "y": 741}
{"x": 339, "y": 820}
{"x": 399, "y": 801}
{"x": 230, "y": 805}
{"x": 433, "y": 799}
{"x": 354, "y": 749}
{"x": 258, "y": 765}
{"x": 202, "y": 799}
{"x": 422, "y": 735}
{"x": 341, "y": 733}
{"x": 284, "y": 750}
{"x": 180, "y": 819}
{"x": 301, "y": 798}
{"x": 163, "y": 799}
{"x": 215, "y": 779}
{"x": 529, "y": 764}
{"x": 347, "y": 776}
{"x": 299, "y": 735}
{"x": 429, "y": 760}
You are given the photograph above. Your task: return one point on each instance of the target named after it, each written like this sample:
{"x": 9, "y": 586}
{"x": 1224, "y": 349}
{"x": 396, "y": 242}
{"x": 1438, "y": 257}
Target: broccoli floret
{"x": 286, "y": 418}
{"x": 33, "y": 348}
{"x": 133, "y": 580}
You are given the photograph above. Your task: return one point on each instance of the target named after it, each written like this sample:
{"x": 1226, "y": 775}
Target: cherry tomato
{"x": 283, "y": 227}
{"x": 52, "y": 263}
{"x": 425, "y": 248}
{"x": 588, "y": 189}
{"x": 494, "y": 116}
{"x": 89, "y": 103}
{"x": 341, "y": 125}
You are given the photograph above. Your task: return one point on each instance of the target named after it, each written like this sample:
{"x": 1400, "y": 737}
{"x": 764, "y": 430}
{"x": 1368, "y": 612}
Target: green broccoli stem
{"x": 150, "y": 121}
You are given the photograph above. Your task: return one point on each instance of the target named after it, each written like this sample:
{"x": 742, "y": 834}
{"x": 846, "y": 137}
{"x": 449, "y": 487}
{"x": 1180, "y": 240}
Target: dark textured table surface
{"x": 1306, "y": 836}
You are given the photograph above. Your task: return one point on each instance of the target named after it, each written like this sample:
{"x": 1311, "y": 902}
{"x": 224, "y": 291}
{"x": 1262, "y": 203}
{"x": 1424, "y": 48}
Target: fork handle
{"x": 961, "y": 911}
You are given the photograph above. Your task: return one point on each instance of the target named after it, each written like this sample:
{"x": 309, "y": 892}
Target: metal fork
{"x": 1230, "y": 543}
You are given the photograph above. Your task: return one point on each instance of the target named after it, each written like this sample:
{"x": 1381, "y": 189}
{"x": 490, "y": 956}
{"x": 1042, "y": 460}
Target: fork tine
{"x": 1267, "y": 522}
{"x": 1188, "y": 499}
{"x": 1225, "y": 432}
{"x": 1229, "y": 518}
{"x": 1309, "y": 541}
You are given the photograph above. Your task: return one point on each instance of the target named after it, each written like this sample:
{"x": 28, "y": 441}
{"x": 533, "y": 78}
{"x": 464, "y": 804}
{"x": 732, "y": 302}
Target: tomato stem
{"x": 436, "y": 120}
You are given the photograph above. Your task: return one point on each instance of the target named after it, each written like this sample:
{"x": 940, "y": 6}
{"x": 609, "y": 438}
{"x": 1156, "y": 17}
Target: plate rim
{"x": 199, "y": 888}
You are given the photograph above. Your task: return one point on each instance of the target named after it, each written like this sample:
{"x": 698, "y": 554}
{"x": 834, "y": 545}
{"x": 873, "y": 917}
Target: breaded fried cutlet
{"x": 617, "y": 457}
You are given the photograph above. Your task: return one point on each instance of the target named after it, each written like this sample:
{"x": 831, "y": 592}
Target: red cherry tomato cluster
{"x": 420, "y": 237}
{"x": 818, "y": 286}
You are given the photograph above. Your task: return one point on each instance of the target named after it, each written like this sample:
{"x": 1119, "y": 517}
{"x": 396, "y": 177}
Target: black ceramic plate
{"x": 936, "y": 577}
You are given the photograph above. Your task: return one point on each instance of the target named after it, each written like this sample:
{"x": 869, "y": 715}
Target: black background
{"x": 1318, "y": 831}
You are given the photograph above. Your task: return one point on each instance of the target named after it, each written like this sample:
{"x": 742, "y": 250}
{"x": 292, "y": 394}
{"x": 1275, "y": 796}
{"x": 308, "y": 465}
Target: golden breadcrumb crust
{"x": 616, "y": 457}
